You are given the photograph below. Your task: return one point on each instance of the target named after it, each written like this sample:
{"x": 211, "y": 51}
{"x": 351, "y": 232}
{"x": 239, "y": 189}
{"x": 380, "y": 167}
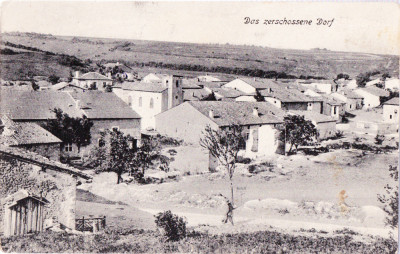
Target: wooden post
{"x": 83, "y": 223}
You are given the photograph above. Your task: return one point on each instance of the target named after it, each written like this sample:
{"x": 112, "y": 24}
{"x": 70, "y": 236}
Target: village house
{"x": 324, "y": 86}
{"x": 154, "y": 77}
{"x": 374, "y": 121}
{"x": 252, "y": 85}
{"x": 213, "y": 78}
{"x": 151, "y": 98}
{"x": 333, "y": 107}
{"x": 353, "y": 101}
{"x": 325, "y": 125}
{"x": 392, "y": 84}
{"x": 391, "y": 111}
{"x": 104, "y": 109}
{"x": 372, "y": 96}
{"x": 92, "y": 80}
{"x": 36, "y": 193}
{"x": 260, "y": 121}
{"x": 29, "y": 136}
{"x": 120, "y": 71}
{"x": 192, "y": 91}
{"x": 225, "y": 93}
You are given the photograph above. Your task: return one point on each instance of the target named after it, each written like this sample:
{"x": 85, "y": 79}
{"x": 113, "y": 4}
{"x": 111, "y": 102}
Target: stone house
{"x": 151, "y": 98}
{"x": 26, "y": 175}
{"x": 92, "y": 80}
{"x": 372, "y": 96}
{"x": 260, "y": 121}
{"x": 29, "y": 136}
{"x": 372, "y": 122}
{"x": 353, "y": 101}
{"x": 391, "y": 111}
{"x": 104, "y": 109}
{"x": 252, "y": 85}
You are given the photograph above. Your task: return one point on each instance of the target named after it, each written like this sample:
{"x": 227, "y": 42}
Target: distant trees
{"x": 54, "y": 79}
{"x": 342, "y": 76}
{"x": 224, "y": 145}
{"x": 70, "y": 129}
{"x": 297, "y": 131}
{"x": 35, "y": 86}
{"x": 259, "y": 97}
{"x": 391, "y": 199}
{"x": 363, "y": 78}
{"x": 385, "y": 76}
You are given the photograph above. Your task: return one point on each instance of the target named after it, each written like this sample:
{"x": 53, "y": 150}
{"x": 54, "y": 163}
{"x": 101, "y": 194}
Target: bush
{"x": 174, "y": 226}
{"x": 168, "y": 141}
{"x": 243, "y": 160}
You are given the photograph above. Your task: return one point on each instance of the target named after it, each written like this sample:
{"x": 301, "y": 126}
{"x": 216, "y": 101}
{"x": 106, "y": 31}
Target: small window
{"x": 350, "y": 106}
{"x": 140, "y": 101}
{"x": 176, "y": 97}
{"x": 177, "y": 83}
{"x": 151, "y": 103}
{"x": 68, "y": 147}
{"x": 101, "y": 142}
{"x": 130, "y": 100}
{"x": 104, "y": 84}
{"x": 115, "y": 128}
{"x": 395, "y": 111}
{"x": 390, "y": 116}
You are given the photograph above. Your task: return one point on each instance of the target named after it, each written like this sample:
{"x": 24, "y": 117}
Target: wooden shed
{"x": 24, "y": 213}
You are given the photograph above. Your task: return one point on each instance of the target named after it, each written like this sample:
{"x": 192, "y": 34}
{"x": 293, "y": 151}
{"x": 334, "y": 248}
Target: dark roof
{"x": 36, "y": 105}
{"x": 24, "y": 133}
{"x": 22, "y": 194}
{"x": 36, "y": 159}
{"x": 153, "y": 87}
{"x": 239, "y": 112}
{"x": 195, "y": 94}
{"x": 190, "y": 84}
{"x": 24, "y": 105}
{"x": 94, "y": 76}
{"x": 393, "y": 101}
{"x": 103, "y": 105}
{"x": 331, "y": 100}
{"x": 350, "y": 94}
{"x": 313, "y": 116}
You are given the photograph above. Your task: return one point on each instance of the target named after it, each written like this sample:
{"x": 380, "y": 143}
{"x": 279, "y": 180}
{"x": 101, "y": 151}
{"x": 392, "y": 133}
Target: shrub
{"x": 379, "y": 139}
{"x": 174, "y": 226}
{"x": 339, "y": 134}
{"x": 243, "y": 160}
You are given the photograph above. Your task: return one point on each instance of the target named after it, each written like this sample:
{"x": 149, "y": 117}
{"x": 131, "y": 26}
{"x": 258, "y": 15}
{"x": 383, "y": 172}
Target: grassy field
{"x": 323, "y": 63}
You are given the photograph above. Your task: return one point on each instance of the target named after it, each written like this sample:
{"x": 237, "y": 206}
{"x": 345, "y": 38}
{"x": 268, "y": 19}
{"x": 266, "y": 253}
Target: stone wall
{"x": 58, "y": 188}
{"x": 50, "y": 151}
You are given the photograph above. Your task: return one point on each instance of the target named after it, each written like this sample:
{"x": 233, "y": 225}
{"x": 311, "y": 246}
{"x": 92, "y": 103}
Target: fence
{"x": 90, "y": 224}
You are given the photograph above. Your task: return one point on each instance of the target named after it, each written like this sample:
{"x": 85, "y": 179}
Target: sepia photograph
{"x": 199, "y": 127}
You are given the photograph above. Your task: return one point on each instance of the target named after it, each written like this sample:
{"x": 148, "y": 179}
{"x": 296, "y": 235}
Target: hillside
{"x": 316, "y": 62}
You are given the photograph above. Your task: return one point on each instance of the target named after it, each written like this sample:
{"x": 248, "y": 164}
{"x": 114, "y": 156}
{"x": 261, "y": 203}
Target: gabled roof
{"x": 313, "y": 116}
{"x": 190, "y": 84}
{"x": 393, "y": 101}
{"x": 261, "y": 83}
{"x": 332, "y": 101}
{"x": 62, "y": 85}
{"x": 350, "y": 94}
{"x": 103, "y": 105}
{"x": 93, "y": 76}
{"x": 152, "y": 87}
{"x": 239, "y": 112}
{"x": 36, "y": 105}
{"x": 227, "y": 92}
{"x": 375, "y": 91}
{"x": 287, "y": 95}
{"x": 195, "y": 94}
{"x": 36, "y": 159}
{"x": 24, "y": 133}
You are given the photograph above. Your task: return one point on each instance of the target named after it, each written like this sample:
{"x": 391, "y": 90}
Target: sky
{"x": 361, "y": 27}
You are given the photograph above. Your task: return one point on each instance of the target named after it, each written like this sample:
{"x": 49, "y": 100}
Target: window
{"x": 130, "y": 100}
{"x": 334, "y": 110}
{"x": 151, "y": 103}
{"x": 140, "y": 101}
{"x": 68, "y": 147}
{"x": 395, "y": 111}
{"x": 350, "y": 106}
{"x": 104, "y": 84}
{"x": 177, "y": 83}
{"x": 176, "y": 97}
{"x": 101, "y": 142}
{"x": 115, "y": 128}
{"x": 390, "y": 116}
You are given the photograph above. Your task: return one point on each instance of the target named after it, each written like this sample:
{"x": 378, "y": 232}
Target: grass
{"x": 295, "y": 62}
{"x": 141, "y": 241}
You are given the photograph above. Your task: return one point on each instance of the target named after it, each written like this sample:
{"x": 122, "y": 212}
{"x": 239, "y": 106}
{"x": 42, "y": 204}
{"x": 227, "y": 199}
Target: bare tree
{"x": 224, "y": 144}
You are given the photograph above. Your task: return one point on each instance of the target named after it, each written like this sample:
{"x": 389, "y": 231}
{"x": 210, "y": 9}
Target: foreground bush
{"x": 136, "y": 241}
{"x": 174, "y": 227}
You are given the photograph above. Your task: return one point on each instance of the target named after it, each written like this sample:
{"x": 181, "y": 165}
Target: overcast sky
{"x": 362, "y": 27}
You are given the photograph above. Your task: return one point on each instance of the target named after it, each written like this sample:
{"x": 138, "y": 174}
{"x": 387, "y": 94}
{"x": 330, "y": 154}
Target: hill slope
{"x": 315, "y": 62}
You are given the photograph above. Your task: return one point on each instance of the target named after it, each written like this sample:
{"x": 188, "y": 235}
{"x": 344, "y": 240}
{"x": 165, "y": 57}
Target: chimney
{"x": 109, "y": 75}
{"x": 78, "y": 104}
{"x": 77, "y": 74}
{"x": 211, "y": 113}
{"x": 255, "y": 111}
{"x": 117, "y": 63}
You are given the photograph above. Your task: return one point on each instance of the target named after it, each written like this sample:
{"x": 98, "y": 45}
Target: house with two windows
{"x": 92, "y": 80}
{"x": 151, "y": 98}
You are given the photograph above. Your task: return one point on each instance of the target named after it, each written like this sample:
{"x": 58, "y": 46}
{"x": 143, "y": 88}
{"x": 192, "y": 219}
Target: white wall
{"x": 277, "y": 103}
{"x": 240, "y": 85}
{"x": 267, "y": 141}
{"x": 246, "y": 98}
{"x": 391, "y": 113}
{"x": 370, "y": 101}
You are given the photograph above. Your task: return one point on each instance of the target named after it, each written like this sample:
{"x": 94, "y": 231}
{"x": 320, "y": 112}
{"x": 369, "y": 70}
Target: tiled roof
{"x": 227, "y": 92}
{"x": 59, "y": 86}
{"x": 24, "y": 133}
{"x": 23, "y": 105}
{"x": 375, "y": 91}
{"x": 194, "y": 94}
{"x": 350, "y": 94}
{"x": 393, "y": 101}
{"x": 36, "y": 159}
{"x": 238, "y": 112}
{"x": 190, "y": 84}
{"x": 332, "y": 101}
{"x": 94, "y": 76}
{"x": 261, "y": 83}
{"x": 313, "y": 116}
{"x": 287, "y": 95}
{"x": 36, "y": 105}
{"x": 152, "y": 87}
{"x": 103, "y": 105}
{"x": 211, "y": 84}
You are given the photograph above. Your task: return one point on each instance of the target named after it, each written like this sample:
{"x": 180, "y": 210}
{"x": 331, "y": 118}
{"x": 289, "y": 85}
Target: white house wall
{"x": 267, "y": 141}
{"x": 240, "y": 85}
